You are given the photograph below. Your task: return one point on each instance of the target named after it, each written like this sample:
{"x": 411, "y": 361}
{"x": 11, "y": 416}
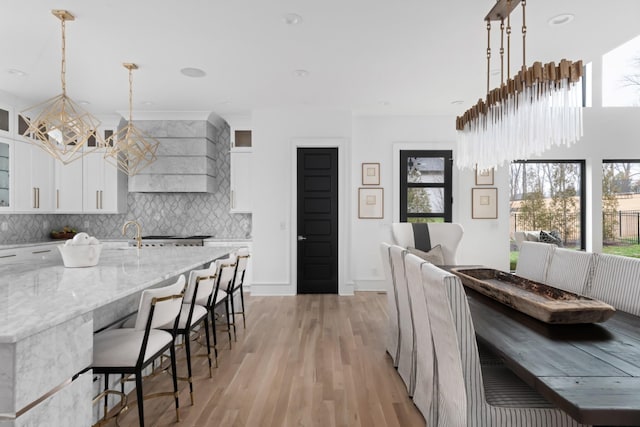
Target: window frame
{"x": 447, "y": 185}
{"x": 582, "y": 194}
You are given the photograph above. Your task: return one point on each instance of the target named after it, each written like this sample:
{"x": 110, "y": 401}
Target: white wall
{"x": 378, "y": 139}
{"x": 273, "y": 135}
{"x": 610, "y": 133}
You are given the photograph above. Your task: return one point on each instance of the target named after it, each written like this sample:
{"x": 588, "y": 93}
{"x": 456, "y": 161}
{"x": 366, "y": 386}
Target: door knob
{"x": 300, "y": 238}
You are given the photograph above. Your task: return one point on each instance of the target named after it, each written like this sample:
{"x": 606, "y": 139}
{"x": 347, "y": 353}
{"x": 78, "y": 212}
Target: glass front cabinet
{"x": 6, "y": 175}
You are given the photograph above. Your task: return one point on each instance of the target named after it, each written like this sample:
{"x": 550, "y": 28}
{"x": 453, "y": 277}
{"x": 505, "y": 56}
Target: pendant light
{"x": 537, "y": 108}
{"x": 59, "y": 125}
{"x": 129, "y": 149}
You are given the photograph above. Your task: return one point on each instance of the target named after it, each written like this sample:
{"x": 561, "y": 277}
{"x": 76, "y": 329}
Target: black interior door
{"x": 317, "y": 220}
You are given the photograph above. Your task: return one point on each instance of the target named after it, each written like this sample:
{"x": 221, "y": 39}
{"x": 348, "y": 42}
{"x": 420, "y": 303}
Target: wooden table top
{"x": 591, "y": 371}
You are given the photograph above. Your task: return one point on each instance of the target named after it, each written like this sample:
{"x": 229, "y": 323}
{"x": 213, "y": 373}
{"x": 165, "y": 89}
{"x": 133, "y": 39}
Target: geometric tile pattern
{"x": 158, "y": 213}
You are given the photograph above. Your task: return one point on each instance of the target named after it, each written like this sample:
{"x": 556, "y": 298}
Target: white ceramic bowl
{"x": 80, "y": 255}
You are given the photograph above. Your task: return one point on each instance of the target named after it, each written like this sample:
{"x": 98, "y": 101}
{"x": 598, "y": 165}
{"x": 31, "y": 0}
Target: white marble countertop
{"x": 35, "y": 296}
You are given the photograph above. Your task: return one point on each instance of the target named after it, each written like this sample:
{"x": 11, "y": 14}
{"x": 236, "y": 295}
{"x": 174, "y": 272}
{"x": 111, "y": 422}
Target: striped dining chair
{"x": 463, "y": 388}
{"x": 406, "y": 355}
{"x": 393, "y": 332}
{"x": 424, "y": 357}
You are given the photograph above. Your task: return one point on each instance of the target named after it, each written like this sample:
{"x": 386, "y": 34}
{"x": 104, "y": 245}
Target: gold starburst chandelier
{"x": 58, "y": 125}
{"x": 537, "y": 108}
{"x": 129, "y": 149}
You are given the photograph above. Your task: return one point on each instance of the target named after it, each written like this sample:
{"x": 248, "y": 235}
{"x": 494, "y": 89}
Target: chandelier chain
{"x": 508, "y": 40}
{"x": 130, "y": 95}
{"x": 488, "y": 53}
{"x": 524, "y": 33}
{"x": 502, "y": 51}
{"x": 63, "y": 70}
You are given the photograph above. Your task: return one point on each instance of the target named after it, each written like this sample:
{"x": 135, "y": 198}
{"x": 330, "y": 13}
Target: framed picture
{"x": 484, "y": 203}
{"x": 484, "y": 176}
{"x": 370, "y": 203}
{"x": 371, "y": 174}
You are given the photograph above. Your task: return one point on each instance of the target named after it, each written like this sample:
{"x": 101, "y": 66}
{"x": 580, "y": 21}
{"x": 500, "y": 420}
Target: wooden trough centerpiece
{"x": 543, "y": 302}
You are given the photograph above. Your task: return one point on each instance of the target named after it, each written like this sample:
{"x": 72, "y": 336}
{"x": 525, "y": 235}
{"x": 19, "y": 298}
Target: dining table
{"x": 591, "y": 371}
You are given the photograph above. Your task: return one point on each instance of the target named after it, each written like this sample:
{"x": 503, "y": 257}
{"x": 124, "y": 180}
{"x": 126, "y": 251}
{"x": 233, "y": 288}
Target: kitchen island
{"x": 48, "y": 314}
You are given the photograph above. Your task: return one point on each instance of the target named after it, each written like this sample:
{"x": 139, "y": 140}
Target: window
{"x": 546, "y": 195}
{"x": 621, "y": 75}
{"x": 621, "y": 207}
{"x": 425, "y": 186}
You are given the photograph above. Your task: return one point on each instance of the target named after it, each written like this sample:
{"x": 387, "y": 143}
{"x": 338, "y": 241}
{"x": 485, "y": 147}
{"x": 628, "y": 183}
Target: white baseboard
{"x": 370, "y": 285}
{"x": 271, "y": 289}
{"x": 279, "y": 289}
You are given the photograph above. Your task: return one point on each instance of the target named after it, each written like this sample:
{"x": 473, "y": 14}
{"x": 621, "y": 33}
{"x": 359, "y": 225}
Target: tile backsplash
{"x": 158, "y": 213}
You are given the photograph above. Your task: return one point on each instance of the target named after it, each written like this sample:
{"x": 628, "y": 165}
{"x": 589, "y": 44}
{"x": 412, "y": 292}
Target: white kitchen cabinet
{"x": 68, "y": 191}
{"x": 241, "y": 170}
{"x": 104, "y": 186}
{"x": 33, "y": 183}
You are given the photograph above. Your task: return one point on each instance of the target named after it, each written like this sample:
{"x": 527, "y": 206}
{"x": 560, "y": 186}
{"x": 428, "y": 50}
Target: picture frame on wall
{"x": 484, "y": 203}
{"x": 484, "y": 176}
{"x": 371, "y": 174}
{"x": 370, "y": 203}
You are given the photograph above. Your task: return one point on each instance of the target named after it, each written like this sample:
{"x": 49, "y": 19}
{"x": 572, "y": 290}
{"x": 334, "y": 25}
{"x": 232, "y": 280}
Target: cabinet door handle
{"x": 35, "y": 205}
{"x": 101, "y": 199}
{"x": 97, "y": 195}
{"x": 57, "y": 199}
{"x": 233, "y": 200}
{"x": 38, "y": 192}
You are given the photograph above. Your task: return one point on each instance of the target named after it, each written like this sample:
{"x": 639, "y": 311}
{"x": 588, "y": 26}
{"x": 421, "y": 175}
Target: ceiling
{"x": 378, "y": 57}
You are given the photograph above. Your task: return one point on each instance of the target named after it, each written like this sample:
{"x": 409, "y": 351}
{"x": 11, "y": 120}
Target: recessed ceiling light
{"x": 457, "y": 102}
{"x": 562, "y": 19}
{"x": 495, "y": 72}
{"x": 83, "y": 102}
{"x": 147, "y": 103}
{"x": 385, "y": 103}
{"x": 301, "y": 73}
{"x": 16, "y": 72}
{"x": 193, "y": 72}
{"x": 292, "y": 19}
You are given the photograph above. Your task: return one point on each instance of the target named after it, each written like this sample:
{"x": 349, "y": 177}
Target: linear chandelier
{"x": 58, "y": 125}
{"x": 129, "y": 149}
{"x": 537, "y": 108}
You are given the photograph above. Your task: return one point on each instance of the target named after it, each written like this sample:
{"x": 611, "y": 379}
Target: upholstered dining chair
{"x": 242, "y": 260}
{"x": 393, "y": 332}
{"x": 533, "y": 260}
{"x": 461, "y": 382}
{"x": 127, "y": 351}
{"x": 225, "y": 268}
{"x": 570, "y": 270}
{"x": 406, "y": 355}
{"x": 425, "y": 236}
{"x": 424, "y": 358}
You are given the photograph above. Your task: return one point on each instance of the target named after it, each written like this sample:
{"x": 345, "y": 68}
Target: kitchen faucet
{"x": 138, "y": 231}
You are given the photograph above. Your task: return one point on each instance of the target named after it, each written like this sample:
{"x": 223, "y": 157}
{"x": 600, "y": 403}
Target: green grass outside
{"x": 632, "y": 251}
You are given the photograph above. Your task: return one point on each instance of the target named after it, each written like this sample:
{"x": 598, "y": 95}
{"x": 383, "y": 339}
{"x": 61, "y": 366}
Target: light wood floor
{"x": 308, "y": 360}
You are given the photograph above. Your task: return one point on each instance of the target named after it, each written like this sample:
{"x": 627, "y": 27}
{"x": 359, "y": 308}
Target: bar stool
{"x": 194, "y": 313}
{"x": 242, "y": 256}
{"x": 127, "y": 351}
{"x": 225, "y": 269}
